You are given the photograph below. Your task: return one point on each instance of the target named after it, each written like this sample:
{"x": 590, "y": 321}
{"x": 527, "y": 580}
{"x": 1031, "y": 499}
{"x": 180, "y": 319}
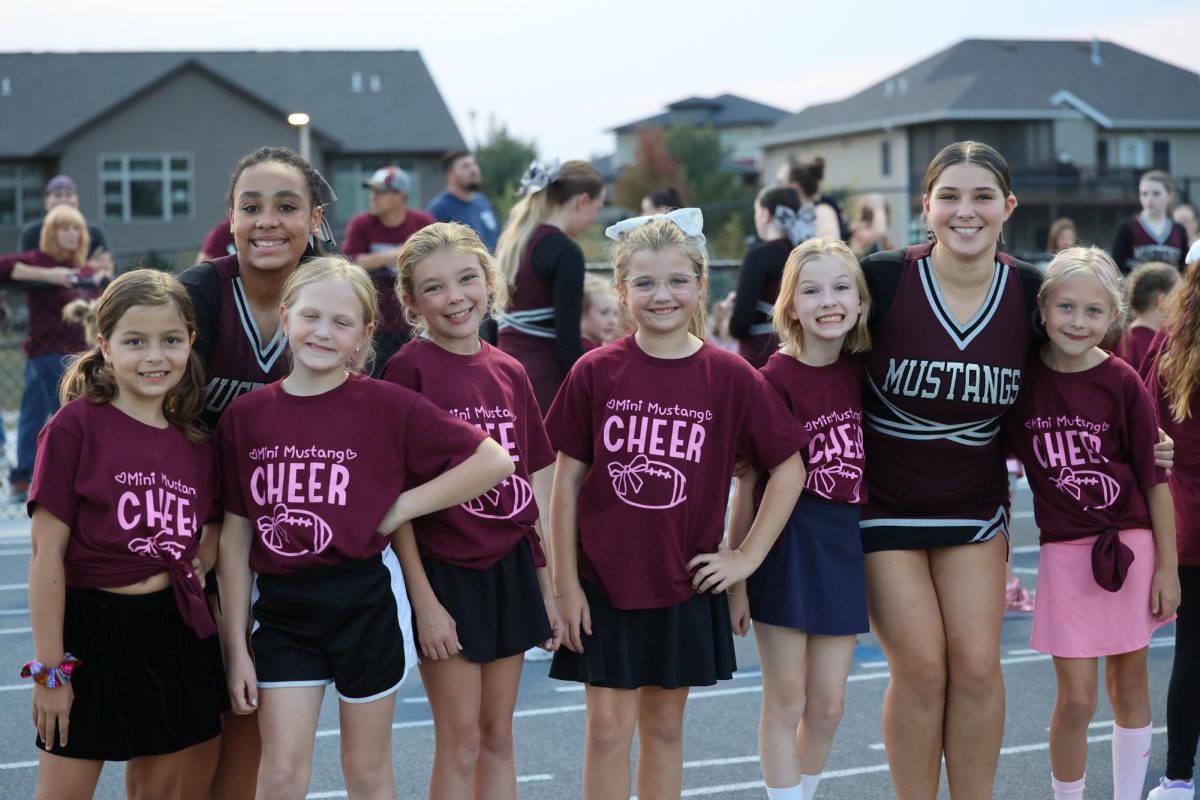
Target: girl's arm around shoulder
{"x": 233, "y": 571}
{"x": 1164, "y": 589}
{"x": 716, "y": 572}
{"x": 564, "y": 525}
{"x": 47, "y": 604}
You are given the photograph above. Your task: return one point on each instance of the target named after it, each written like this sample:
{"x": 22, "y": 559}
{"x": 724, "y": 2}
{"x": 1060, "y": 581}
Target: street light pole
{"x": 301, "y": 120}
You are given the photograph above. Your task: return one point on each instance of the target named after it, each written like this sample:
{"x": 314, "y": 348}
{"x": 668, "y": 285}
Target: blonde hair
{"x": 574, "y": 178}
{"x": 433, "y": 239}
{"x": 89, "y": 375}
{"x": 594, "y": 285}
{"x": 1075, "y": 261}
{"x": 658, "y": 235}
{"x": 1179, "y": 363}
{"x": 789, "y": 331}
{"x": 82, "y": 312}
{"x": 336, "y": 268}
{"x": 60, "y": 216}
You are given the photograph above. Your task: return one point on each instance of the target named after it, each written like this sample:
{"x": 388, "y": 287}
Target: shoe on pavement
{"x": 1172, "y": 790}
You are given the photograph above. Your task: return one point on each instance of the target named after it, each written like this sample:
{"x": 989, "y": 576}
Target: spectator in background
{"x": 372, "y": 240}
{"x": 662, "y": 201}
{"x": 805, "y": 177}
{"x": 59, "y": 266}
{"x": 218, "y": 242}
{"x": 869, "y": 233}
{"x": 780, "y": 227}
{"x": 1151, "y": 235}
{"x": 60, "y": 190}
{"x": 1061, "y": 236}
{"x": 600, "y": 323}
{"x": 462, "y": 202}
{"x": 1185, "y": 215}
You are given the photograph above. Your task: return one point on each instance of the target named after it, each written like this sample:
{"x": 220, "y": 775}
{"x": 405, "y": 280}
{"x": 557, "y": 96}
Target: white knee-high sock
{"x": 788, "y": 793}
{"x": 1067, "y": 790}
{"x": 810, "y": 782}
{"x": 1130, "y": 757}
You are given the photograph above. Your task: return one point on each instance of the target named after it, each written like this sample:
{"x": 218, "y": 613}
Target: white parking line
{"x": 1028, "y": 548}
{"x": 1025, "y": 570}
{"x": 23, "y": 552}
{"x": 343, "y": 793}
{"x": 13, "y": 587}
{"x": 15, "y": 630}
{"x": 13, "y": 612}
{"x": 16, "y": 687}
{"x": 19, "y": 765}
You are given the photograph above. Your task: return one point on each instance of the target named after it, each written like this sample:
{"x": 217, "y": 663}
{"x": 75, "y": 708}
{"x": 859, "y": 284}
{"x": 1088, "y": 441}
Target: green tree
{"x": 653, "y": 169}
{"x": 722, "y": 194}
{"x": 503, "y": 159}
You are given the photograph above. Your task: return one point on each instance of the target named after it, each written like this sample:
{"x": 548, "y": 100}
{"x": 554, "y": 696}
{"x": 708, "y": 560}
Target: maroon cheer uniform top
{"x": 1134, "y": 344}
{"x": 827, "y": 402}
{"x": 134, "y": 496}
{"x": 236, "y": 360}
{"x": 1185, "y": 475}
{"x": 1134, "y": 243}
{"x": 758, "y": 287}
{"x": 489, "y": 390}
{"x": 661, "y": 437}
{"x": 935, "y": 391}
{"x": 315, "y": 475}
{"x": 49, "y": 333}
{"x": 541, "y": 326}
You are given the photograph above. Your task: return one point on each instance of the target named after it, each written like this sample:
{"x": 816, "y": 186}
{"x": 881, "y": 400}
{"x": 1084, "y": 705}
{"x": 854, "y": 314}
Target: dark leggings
{"x": 1183, "y": 696}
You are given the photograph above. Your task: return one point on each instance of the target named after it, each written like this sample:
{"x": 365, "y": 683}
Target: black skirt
{"x": 146, "y": 684}
{"x": 689, "y": 644}
{"x": 498, "y": 612}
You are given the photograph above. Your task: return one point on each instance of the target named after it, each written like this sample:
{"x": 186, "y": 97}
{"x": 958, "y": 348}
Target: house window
{"x": 885, "y": 158}
{"x": 1101, "y": 156}
{"x": 20, "y": 193}
{"x": 1161, "y": 155}
{"x": 147, "y": 187}
{"x": 1131, "y": 151}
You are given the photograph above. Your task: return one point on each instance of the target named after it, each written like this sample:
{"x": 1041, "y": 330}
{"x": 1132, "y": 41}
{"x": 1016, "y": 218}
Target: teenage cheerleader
{"x": 1173, "y": 368}
{"x": 779, "y": 227}
{"x": 311, "y": 469}
{"x": 544, "y": 270}
{"x": 808, "y": 599}
{"x": 476, "y": 573}
{"x": 1151, "y": 235}
{"x": 647, "y": 431}
{"x": 1084, "y": 427}
{"x": 126, "y": 666}
{"x": 1145, "y": 290}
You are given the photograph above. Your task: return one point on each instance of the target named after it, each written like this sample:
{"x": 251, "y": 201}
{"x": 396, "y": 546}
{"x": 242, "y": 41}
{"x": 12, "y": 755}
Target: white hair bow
{"x": 539, "y": 176}
{"x": 797, "y": 225}
{"x": 689, "y": 220}
{"x": 1193, "y": 254}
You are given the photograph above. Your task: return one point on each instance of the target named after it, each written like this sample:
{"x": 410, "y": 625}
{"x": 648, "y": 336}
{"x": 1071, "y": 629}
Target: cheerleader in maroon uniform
{"x": 808, "y": 599}
{"x": 1084, "y": 427}
{"x": 126, "y": 664}
{"x": 1151, "y": 235}
{"x": 476, "y": 573}
{"x": 312, "y": 466}
{"x": 544, "y": 269}
{"x": 1145, "y": 290}
{"x": 780, "y": 228}
{"x": 647, "y": 431}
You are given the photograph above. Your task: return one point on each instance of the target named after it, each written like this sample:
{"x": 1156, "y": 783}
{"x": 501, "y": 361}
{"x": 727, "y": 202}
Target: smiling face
{"x": 325, "y": 328}
{"x": 148, "y": 351}
{"x": 450, "y": 291}
{"x": 272, "y": 216}
{"x": 599, "y": 322}
{"x": 826, "y": 302}
{"x": 966, "y": 209}
{"x": 1078, "y": 312}
{"x": 661, "y": 290}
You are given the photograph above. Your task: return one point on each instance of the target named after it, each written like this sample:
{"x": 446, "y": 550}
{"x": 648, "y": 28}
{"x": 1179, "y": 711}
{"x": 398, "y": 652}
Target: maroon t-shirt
{"x": 134, "y": 496}
{"x": 315, "y": 475}
{"x": 935, "y": 391}
{"x": 1185, "y": 476}
{"x": 1134, "y": 344}
{"x": 661, "y": 437}
{"x": 491, "y": 391}
{"x": 366, "y": 234}
{"x": 827, "y": 402}
{"x": 1087, "y": 442}
{"x": 49, "y": 333}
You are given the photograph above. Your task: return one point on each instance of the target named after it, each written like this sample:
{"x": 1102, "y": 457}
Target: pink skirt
{"x": 1075, "y": 618}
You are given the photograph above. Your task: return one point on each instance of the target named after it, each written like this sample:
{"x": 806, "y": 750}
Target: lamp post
{"x": 300, "y": 120}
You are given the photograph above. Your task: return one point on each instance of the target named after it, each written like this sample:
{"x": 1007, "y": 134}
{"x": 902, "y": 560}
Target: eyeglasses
{"x": 676, "y": 283}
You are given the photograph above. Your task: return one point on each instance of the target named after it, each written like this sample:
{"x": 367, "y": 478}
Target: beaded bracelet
{"x": 51, "y": 677}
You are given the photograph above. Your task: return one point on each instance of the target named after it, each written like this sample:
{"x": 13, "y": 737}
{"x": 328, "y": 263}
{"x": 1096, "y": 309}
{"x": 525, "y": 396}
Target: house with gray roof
{"x": 1078, "y": 122}
{"x": 737, "y": 120}
{"x": 151, "y": 138}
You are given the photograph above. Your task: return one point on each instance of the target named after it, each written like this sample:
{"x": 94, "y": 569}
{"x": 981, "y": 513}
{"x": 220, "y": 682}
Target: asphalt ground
{"x": 721, "y": 725}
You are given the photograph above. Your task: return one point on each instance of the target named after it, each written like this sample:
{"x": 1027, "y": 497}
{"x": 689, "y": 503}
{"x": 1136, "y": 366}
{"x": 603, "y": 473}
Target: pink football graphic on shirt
{"x": 291, "y": 532}
{"x": 503, "y": 501}
{"x": 1093, "y": 490}
{"x": 823, "y": 480}
{"x": 648, "y": 484}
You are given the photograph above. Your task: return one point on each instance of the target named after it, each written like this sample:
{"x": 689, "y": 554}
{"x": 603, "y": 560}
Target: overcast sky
{"x": 563, "y": 73}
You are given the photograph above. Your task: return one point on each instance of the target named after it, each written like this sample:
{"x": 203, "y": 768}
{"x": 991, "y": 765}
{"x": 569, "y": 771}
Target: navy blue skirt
{"x": 814, "y": 578}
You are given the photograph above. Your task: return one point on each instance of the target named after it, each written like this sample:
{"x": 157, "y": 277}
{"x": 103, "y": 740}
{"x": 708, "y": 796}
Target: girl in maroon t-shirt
{"x": 1085, "y": 429}
{"x": 808, "y": 599}
{"x": 312, "y": 466}
{"x": 1145, "y": 290}
{"x": 1172, "y": 370}
{"x": 123, "y": 486}
{"x": 647, "y": 431}
{"x": 476, "y": 573}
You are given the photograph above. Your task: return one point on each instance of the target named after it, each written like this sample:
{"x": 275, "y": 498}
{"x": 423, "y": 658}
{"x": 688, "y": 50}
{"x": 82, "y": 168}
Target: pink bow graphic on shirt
{"x": 664, "y": 484}
{"x": 628, "y": 476}
{"x": 154, "y": 548}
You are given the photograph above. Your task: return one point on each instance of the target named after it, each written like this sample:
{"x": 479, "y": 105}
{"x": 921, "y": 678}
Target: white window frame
{"x": 27, "y": 175}
{"x": 1131, "y": 152}
{"x": 125, "y": 175}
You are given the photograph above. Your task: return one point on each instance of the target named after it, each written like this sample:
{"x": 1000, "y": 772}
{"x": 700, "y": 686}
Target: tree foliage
{"x": 502, "y": 159}
{"x": 654, "y": 169}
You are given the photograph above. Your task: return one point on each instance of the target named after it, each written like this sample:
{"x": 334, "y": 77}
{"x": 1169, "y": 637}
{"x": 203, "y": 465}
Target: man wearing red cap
{"x": 372, "y": 240}
{"x": 59, "y": 190}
